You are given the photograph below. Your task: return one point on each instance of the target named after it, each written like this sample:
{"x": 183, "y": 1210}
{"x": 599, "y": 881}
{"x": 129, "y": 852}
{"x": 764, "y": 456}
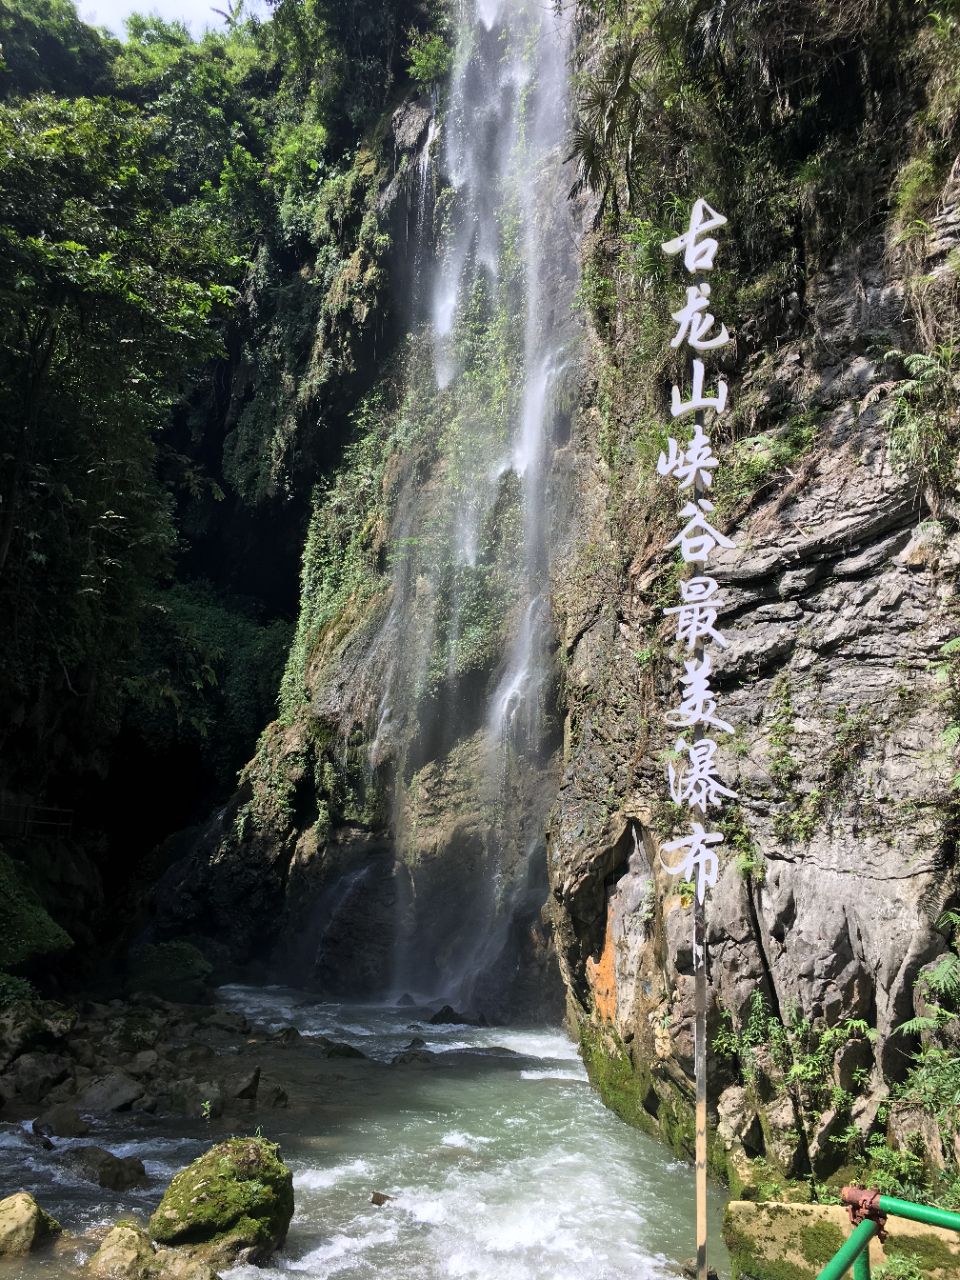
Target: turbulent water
{"x": 502, "y": 1165}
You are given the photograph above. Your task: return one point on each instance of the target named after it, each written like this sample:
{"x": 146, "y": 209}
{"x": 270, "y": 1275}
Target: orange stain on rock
{"x": 602, "y": 976}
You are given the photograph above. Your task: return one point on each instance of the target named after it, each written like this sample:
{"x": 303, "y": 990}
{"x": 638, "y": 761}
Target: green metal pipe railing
{"x": 920, "y": 1213}
{"x": 869, "y": 1210}
{"x": 853, "y": 1252}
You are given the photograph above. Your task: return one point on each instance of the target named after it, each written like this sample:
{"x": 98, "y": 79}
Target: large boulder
{"x": 232, "y": 1205}
{"x": 172, "y": 970}
{"x": 24, "y": 1225}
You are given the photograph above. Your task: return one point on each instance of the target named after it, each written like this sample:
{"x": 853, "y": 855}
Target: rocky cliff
{"x": 838, "y": 485}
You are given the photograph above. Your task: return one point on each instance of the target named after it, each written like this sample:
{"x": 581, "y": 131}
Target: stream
{"x": 501, "y": 1161}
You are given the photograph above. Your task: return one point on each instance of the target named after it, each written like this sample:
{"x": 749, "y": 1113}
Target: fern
{"x": 944, "y": 980}
{"x": 923, "y": 1023}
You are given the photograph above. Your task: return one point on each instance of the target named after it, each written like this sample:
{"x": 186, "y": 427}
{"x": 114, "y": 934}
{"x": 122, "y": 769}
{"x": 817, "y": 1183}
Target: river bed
{"x": 499, "y": 1158}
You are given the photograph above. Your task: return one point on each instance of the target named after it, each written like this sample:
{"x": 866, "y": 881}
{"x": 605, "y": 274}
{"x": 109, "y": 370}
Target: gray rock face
{"x": 114, "y": 1092}
{"x": 410, "y": 123}
{"x": 837, "y": 601}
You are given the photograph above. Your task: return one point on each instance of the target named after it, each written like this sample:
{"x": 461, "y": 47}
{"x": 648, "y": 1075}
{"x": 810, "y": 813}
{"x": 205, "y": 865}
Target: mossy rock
{"x": 24, "y": 1225}
{"x": 233, "y": 1204}
{"x": 128, "y": 1253}
{"x": 26, "y": 929}
{"x": 654, "y": 1106}
{"x": 172, "y": 970}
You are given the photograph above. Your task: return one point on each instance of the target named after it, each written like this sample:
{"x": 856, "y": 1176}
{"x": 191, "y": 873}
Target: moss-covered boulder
{"x": 26, "y": 929}
{"x": 174, "y": 970}
{"x": 233, "y": 1204}
{"x": 24, "y": 1225}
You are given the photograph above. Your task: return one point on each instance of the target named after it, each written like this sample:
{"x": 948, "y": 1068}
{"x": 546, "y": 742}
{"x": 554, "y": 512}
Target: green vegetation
{"x": 26, "y": 930}
{"x": 901, "y": 1268}
{"x": 922, "y": 414}
{"x": 192, "y": 267}
{"x": 756, "y": 462}
{"x": 628, "y": 1089}
{"x": 795, "y": 1056}
{"x": 428, "y": 57}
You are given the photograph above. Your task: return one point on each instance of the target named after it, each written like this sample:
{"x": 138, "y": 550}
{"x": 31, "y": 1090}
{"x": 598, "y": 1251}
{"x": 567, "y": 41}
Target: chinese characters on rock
{"x": 692, "y": 773}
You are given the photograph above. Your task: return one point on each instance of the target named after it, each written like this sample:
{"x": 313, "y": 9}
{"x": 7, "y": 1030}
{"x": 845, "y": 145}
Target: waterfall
{"x": 463, "y": 657}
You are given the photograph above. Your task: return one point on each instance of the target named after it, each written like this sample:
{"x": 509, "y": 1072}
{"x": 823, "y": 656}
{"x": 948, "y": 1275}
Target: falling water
{"x": 457, "y": 681}
{"x": 467, "y": 657}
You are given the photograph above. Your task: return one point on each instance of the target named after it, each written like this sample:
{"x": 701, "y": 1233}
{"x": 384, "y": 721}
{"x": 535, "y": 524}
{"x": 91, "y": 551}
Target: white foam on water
{"x": 469, "y": 1142}
{"x": 321, "y": 1179}
{"x": 570, "y": 1077}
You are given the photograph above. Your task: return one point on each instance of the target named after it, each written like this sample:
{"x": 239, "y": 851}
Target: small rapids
{"x": 500, "y": 1159}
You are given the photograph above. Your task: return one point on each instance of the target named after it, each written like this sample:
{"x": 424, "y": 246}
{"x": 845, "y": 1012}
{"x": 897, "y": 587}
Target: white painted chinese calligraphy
{"x": 695, "y": 783}
{"x": 692, "y": 773}
{"x": 699, "y": 862}
{"x": 697, "y": 615}
{"x": 693, "y": 465}
{"x": 695, "y": 322}
{"x": 698, "y": 705}
{"x": 698, "y": 539}
{"x": 698, "y": 254}
{"x": 698, "y": 400}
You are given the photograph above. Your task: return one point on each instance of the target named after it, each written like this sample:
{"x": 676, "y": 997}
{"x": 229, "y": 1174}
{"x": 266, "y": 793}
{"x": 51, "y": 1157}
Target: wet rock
{"x": 232, "y": 1205}
{"x": 62, "y": 1121}
{"x": 380, "y": 1198}
{"x": 448, "y": 1016}
{"x": 197, "y": 1098}
{"x": 113, "y": 1173}
{"x": 25, "y": 1025}
{"x": 36, "y": 1074}
{"x": 406, "y": 1057}
{"x": 275, "y": 1096}
{"x": 143, "y": 1063}
{"x": 24, "y": 1225}
{"x": 226, "y": 1020}
{"x": 340, "y": 1049}
{"x": 128, "y": 1253}
{"x": 114, "y": 1092}
{"x": 173, "y": 970}
{"x": 246, "y": 1087}
{"x": 410, "y": 122}
{"x": 286, "y": 1036}
{"x": 688, "y": 1270}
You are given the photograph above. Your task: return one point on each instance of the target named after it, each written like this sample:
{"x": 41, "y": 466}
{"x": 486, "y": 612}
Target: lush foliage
{"x": 191, "y": 259}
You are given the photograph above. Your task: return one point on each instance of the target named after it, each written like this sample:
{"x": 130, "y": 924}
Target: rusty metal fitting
{"x": 863, "y": 1204}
